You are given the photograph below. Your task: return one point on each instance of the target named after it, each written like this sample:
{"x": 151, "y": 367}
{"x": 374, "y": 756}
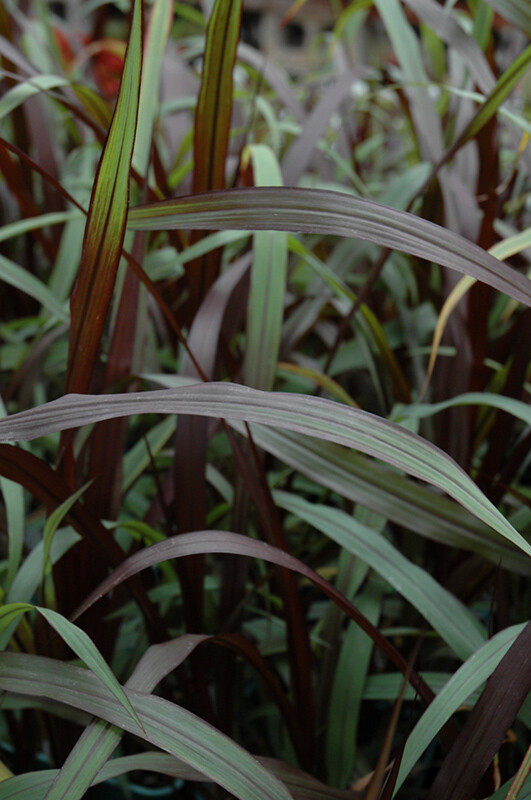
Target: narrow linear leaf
{"x": 166, "y": 725}
{"x": 390, "y": 494}
{"x": 517, "y": 408}
{"x": 325, "y": 212}
{"x": 323, "y": 419}
{"x": 19, "y": 94}
{"x": 501, "y": 250}
{"x": 487, "y": 725}
{"x": 158, "y": 30}
{"x": 22, "y": 279}
{"x": 33, "y": 785}
{"x": 453, "y": 621}
{"x": 100, "y": 739}
{"x": 469, "y": 677}
{"x": 516, "y": 11}
{"x": 214, "y": 107}
{"x": 265, "y": 307}
{"x": 49, "y": 488}
{"x": 80, "y": 643}
{"x": 501, "y": 91}
{"x": 53, "y": 522}
{"x": 212, "y": 126}
{"x": 105, "y": 227}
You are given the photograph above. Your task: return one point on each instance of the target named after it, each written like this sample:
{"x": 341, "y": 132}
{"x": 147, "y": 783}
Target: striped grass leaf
{"x": 212, "y": 124}
{"x": 347, "y": 689}
{"x": 212, "y": 541}
{"x": 388, "y": 493}
{"x": 445, "y": 613}
{"x": 468, "y": 678}
{"x": 325, "y": 212}
{"x": 318, "y": 417}
{"x": 486, "y": 728}
{"x": 105, "y": 227}
{"x": 80, "y": 643}
{"x": 265, "y": 307}
{"x": 165, "y": 725}
{"x": 214, "y": 107}
{"x": 100, "y": 739}
{"x": 33, "y": 785}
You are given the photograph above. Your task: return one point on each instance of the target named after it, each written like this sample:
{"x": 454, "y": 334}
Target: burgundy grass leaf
{"x": 105, "y": 228}
{"x": 212, "y": 127}
{"x": 50, "y": 489}
{"x": 487, "y": 725}
{"x": 187, "y": 544}
{"x": 332, "y": 213}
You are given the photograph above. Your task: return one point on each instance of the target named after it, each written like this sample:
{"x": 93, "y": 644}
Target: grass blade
{"x": 212, "y": 124}
{"x": 80, "y": 643}
{"x": 105, "y": 228}
{"x": 317, "y": 211}
{"x": 166, "y": 725}
{"x": 447, "y": 615}
{"x": 323, "y": 419}
{"x": 466, "y": 680}
{"x": 265, "y": 307}
{"x": 487, "y": 725}
{"x": 516, "y": 11}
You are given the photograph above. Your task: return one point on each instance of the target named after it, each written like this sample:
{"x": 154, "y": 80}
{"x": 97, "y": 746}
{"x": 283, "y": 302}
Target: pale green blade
{"x": 461, "y": 685}
{"x": 166, "y": 725}
{"x": 81, "y": 644}
{"x": 445, "y": 613}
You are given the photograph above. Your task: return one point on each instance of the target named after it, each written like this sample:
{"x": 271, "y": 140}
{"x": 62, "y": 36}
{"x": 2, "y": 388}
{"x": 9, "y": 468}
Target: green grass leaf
{"x": 265, "y": 307}
{"x": 461, "y": 685}
{"x": 166, "y": 725}
{"x": 80, "y": 643}
{"x": 445, "y": 613}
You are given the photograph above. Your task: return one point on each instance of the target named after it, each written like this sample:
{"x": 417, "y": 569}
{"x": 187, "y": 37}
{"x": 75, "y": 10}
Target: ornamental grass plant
{"x": 264, "y": 378}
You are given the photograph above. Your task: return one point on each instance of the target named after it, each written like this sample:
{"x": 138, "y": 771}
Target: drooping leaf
{"x": 323, "y": 419}
{"x": 166, "y": 725}
{"x": 319, "y": 211}
{"x": 80, "y": 643}
{"x": 35, "y": 85}
{"x": 451, "y": 618}
{"x": 394, "y": 496}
